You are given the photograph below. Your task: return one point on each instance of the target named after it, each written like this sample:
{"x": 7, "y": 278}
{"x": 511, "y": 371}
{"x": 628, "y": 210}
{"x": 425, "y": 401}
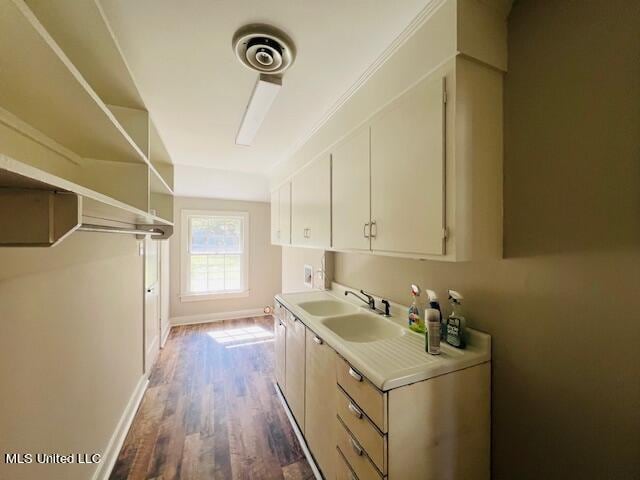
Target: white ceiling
{"x": 181, "y": 58}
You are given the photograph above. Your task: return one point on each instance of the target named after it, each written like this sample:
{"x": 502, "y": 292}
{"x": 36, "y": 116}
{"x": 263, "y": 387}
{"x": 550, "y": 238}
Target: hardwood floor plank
{"x": 211, "y": 411}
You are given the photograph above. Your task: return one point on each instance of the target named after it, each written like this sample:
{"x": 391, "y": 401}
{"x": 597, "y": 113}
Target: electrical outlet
{"x": 308, "y": 276}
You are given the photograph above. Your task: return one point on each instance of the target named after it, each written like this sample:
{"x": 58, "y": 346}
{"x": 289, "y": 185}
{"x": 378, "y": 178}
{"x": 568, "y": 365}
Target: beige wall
{"x": 264, "y": 260}
{"x": 563, "y": 306}
{"x": 70, "y": 348}
{"x": 293, "y": 261}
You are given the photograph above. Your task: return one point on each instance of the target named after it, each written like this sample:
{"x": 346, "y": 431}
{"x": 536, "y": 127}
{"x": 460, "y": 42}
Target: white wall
{"x": 264, "y": 262}
{"x": 201, "y": 182}
{"x": 70, "y": 348}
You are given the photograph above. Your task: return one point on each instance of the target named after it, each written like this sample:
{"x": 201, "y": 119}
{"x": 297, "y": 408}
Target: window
{"x": 215, "y": 258}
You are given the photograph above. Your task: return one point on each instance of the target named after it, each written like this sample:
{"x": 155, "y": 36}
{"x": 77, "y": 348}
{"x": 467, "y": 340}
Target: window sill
{"x": 200, "y": 297}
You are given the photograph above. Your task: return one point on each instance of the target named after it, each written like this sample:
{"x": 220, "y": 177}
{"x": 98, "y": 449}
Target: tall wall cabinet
{"x": 73, "y": 125}
{"x": 421, "y": 175}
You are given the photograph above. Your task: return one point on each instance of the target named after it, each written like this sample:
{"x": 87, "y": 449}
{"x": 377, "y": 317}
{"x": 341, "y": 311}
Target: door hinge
{"x": 444, "y": 97}
{"x": 445, "y": 233}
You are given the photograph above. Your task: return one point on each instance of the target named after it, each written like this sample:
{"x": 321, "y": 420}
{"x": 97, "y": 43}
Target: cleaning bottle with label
{"x": 433, "y": 321}
{"x": 456, "y": 323}
{"x": 414, "y": 314}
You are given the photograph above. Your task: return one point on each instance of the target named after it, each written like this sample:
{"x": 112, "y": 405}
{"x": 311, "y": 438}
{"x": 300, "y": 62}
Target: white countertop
{"x": 392, "y": 362}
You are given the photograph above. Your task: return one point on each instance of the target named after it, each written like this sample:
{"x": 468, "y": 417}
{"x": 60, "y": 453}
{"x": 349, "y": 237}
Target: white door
{"x": 407, "y": 172}
{"x": 164, "y": 291}
{"x": 350, "y": 193}
{"x": 151, "y": 302}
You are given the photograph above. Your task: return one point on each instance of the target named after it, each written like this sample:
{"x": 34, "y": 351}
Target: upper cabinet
{"x": 281, "y": 215}
{"x": 311, "y": 205}
{"x": 415, "y": 154}
{"x": 350, "y": 196}
{"x": 407, "y": 172}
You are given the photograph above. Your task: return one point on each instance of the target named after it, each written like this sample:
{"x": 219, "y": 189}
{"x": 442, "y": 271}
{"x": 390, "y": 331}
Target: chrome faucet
{"x": 371, "y": 302}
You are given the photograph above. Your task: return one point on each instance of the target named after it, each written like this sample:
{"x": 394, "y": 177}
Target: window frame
{"x": 185, "y": 265}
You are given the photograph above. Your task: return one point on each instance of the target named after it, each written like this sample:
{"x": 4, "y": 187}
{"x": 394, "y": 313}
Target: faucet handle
{"x": 372, "y": 301}
{"x": 387, "y": 308}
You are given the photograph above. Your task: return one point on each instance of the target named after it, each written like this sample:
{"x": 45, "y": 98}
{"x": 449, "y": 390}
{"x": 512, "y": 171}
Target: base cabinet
{"x": 280, "y": 334}
{"x": 436, "y": 429}
{"x": 320, "y": 409}
{"x": 295, "y": 368}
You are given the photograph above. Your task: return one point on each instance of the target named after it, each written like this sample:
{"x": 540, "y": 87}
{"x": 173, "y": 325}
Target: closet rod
{"x": 88, "y": 227}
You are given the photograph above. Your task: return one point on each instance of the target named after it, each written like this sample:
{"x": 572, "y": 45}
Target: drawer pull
{"x": 318, "y": 340}
{"x": 355, "y": 410}
{"x": 355, "y": 374}
{"x": 356, "y": 448}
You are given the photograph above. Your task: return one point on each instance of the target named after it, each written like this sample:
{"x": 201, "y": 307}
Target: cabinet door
{"x": 280, "y": 333}
{"x": 275, "y": 217}
{"x": 300, "y": 200}
{"x": 350, "y": 196}
{"x": 284, "y": 220}
{"x": 321, "y": 405}
{"x": 407, "y": 172}
{"x": 295, "y": 368}
{"x": 311, "y": 204}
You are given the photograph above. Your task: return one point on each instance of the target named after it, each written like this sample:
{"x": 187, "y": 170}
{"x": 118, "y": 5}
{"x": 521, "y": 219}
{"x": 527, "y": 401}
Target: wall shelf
{"x": 71, "y": 118}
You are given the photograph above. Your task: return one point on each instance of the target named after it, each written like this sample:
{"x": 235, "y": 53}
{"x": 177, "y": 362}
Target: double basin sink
{"x": 352, "y": 323}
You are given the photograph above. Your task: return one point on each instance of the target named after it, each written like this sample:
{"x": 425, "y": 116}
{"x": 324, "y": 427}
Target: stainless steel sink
{"x": 327, "y": 308}
{"x": 363, "y": 327}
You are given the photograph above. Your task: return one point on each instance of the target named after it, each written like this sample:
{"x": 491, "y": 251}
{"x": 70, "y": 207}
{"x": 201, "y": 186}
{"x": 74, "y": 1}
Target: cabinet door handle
{"x": 364, "y": 230}
{"x": 356, "y": 448}
{"x": 355, "y": 410}
{"x": 355, "y": 374}
{"x": 373, "y": 230}
{"x": 352, "y": 476}
{"x": 318, "y": 340}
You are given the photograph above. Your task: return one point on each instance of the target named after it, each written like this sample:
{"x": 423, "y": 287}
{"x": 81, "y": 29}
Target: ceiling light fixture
{"x": 264, "y": 93}
{"x": 269, "y": 52}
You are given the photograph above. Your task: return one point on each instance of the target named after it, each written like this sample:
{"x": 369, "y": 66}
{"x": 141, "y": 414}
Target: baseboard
{"x": 216, "y": 317}
{"x": 299, "y": 436}
{"x": 110, "y": 454}
{"x": 165, "y": 335}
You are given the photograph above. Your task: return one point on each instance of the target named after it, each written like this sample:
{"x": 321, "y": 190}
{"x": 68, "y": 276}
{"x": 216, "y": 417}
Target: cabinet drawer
{"x": 371, "y": 400}
{"x": 363, "y": 429}
{"x": 343, "y": 470}
{"x": 355, "y": 455}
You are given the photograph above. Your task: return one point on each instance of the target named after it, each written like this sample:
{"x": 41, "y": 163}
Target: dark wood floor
{"x": 211, "y": 411}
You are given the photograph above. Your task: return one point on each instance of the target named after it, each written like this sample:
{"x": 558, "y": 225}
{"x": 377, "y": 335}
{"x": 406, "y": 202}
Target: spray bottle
{"x": 456, "y": 323}
{"x": 433, "y": 320}
{"x": 414, "y": 314}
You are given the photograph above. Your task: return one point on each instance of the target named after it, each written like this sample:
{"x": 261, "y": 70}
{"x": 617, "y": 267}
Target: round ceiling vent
{"x": 263, "y": 48}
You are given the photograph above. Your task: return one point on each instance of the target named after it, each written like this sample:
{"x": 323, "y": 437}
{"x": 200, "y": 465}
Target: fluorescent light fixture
{"x": 264, "y": 93}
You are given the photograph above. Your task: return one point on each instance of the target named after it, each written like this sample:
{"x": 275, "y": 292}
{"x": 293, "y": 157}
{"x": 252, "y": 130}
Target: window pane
{"x": 216, "y": 234}
{"x": 233, "y": 235}
{"x": 215, "y": 269}
{"x": 198, "y": 278}
{"x": 233, "y": 278}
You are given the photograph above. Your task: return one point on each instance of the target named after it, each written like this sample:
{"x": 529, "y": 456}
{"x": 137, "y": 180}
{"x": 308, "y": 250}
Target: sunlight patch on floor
{"x": 241, "y": 337}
